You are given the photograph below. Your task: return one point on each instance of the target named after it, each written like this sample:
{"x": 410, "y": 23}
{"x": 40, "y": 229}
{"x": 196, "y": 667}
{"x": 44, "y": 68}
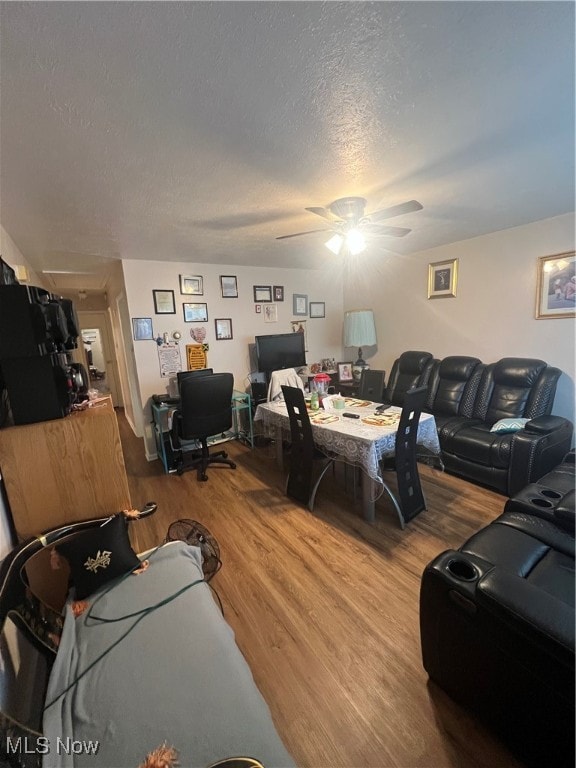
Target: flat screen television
{"x": 280, "y": 350}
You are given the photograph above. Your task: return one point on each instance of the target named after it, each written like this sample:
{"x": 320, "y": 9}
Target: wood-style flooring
{"x": 325, "y": 606}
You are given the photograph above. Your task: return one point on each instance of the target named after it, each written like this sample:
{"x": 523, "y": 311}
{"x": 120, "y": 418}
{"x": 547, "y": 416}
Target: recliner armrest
{"x": 537, "y": 449}
{"x": 544, "y": 425}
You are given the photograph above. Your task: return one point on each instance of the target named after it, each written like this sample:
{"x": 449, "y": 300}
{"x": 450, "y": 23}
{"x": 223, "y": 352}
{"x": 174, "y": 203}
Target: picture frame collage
{"x": 301, "y": 307}
{"x": 266, "y": 298}
{"x": 191, "y": 286}
{"x": 195, "y": 310}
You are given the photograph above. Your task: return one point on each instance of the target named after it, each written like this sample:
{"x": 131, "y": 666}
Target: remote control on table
{"x": 351, "y": 415}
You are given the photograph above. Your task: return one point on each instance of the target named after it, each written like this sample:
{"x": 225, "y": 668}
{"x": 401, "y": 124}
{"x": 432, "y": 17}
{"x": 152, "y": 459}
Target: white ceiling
{"x": 200, "y": 131}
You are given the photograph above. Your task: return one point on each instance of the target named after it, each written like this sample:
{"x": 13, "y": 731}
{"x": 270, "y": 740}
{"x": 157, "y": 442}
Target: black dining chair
{"x": 205, "y": 410}
{"x": 404, "y": 461}
{"x": 372, "y": 385}
{"x": 308, "y": 464}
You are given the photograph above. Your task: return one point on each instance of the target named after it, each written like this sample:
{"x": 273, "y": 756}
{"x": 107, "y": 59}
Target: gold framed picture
{"x": 442, "y": 279}
{"x": 556, "y": 286}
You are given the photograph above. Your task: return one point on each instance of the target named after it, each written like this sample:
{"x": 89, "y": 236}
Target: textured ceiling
{"x": 201, "y": 131}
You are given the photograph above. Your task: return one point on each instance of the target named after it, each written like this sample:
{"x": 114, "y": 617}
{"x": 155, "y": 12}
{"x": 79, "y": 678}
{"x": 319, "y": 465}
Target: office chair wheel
{"x": 202, "y": 476}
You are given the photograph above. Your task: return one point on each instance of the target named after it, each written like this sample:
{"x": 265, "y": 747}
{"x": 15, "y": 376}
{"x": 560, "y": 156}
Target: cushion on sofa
{"x": 99, "y": 555}
{"x": 504, "y": 426}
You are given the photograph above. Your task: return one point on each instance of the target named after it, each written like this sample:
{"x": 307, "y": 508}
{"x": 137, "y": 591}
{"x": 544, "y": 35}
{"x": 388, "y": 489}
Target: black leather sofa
{"x": 497, "y": 621}
{"x": 468, "y": 397}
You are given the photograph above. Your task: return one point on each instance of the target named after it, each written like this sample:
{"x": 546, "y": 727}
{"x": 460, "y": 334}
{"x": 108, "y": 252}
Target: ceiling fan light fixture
{"x": 355, "y": 241}
{"x": 335, "y": 244}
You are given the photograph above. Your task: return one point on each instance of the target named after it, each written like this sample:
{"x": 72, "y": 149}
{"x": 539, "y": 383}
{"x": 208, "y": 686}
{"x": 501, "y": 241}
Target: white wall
{"x": 493, "y": 314}
{"x": 142, "y": 277}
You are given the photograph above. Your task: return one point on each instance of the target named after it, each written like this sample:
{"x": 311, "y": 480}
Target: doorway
{"x": 95, "y": 337}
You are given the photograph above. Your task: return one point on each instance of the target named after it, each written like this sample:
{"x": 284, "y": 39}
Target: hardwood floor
{"x": 325, "y": 606}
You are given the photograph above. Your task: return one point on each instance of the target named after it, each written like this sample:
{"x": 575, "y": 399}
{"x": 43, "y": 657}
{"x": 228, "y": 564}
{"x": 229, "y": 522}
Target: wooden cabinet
{"x": 61, "y": 471}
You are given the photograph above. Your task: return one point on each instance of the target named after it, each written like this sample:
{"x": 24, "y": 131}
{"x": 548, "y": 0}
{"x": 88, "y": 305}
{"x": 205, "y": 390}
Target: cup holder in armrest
{"x": 544, "y": 503}
{"x": 550, "y": 494}
{"x": 462, "y": 569}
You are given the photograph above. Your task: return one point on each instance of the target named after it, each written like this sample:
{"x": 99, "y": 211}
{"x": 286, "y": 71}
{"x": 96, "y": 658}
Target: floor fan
{"x": 195, "y": 534}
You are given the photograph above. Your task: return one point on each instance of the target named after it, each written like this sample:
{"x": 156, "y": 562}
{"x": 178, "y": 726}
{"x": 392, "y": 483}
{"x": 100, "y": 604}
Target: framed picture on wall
{"x": 195, "y": 313}
{"x": 262, "y": 293}
{"x": 142, "y": 328}
{"x": 164, "y": 302}
{"x": 442, "y": 279}
{"x": 229, "y": 286}
{"x": 317, "y": 309}
{"x": 278, "y": 292}
{"x": 191, "y": 284}
{"x": 223, "y": 328}
{"x": 299, "y": 304}
{"x": 270, "y": 313}
{"x": 556, "y": 286}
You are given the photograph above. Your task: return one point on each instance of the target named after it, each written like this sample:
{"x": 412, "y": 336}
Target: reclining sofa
{"x": 493, "y": 421}
{"x": 497, "y": 621}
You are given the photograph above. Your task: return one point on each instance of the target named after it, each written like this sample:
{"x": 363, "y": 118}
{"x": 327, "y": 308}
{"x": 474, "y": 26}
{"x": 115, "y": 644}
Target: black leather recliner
{"x": 467, "y": 408}
{"x": 411, "y": 369}
{"x": 497, "y": 621}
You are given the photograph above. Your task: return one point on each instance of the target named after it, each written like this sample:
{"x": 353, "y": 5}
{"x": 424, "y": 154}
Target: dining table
{"x": 359, "y": 434}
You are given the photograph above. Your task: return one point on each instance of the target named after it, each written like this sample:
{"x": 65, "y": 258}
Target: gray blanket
{"x": 173, "y": 675}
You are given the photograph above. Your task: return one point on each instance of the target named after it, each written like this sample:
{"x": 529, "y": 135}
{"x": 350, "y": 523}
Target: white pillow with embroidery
{"x": 504, "y": 426}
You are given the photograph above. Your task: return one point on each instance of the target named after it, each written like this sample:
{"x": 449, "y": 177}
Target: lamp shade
{"x": 359, "y": 328}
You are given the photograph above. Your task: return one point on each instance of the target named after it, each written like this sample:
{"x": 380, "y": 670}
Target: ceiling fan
{"x": 350, "y": 224}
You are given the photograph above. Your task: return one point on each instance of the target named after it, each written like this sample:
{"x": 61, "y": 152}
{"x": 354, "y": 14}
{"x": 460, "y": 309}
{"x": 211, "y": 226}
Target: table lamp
{"x": 359, "y": 331}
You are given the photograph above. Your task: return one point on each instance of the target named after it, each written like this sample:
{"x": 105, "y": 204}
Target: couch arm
{"x": 544, "y": 425}
{"x": 537, "y": 449}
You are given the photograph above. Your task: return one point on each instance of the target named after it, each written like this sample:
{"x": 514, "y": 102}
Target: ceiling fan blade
{"x": 326, "y": 214}
{"x": 297, "y": 234}
{"x": 386, "y": 231}
{"x": 395, "y": 210}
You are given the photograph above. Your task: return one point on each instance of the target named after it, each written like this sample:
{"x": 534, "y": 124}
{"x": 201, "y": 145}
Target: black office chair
{"x": 302, "y": 483}
{"x": 181, "y": 375}
{"x": 404, "y": 462}
{"x": 372, "y": 385}
{"x": 205, "y": 410}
